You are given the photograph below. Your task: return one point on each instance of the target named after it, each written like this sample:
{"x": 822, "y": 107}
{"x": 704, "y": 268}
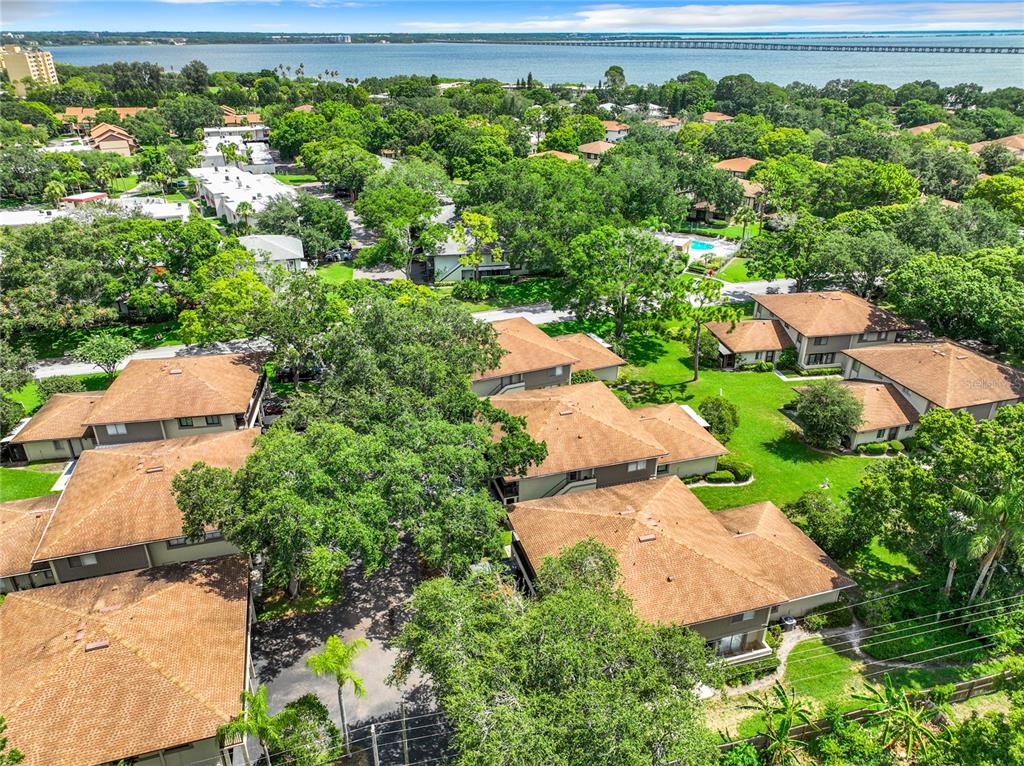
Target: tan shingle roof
{"x": 919, "y": 129}
{"x": 750, "y": 188}
{"x": 944, "y": 373}
{"x": 681, "y": 563}
{"x": 829, "y": 313}
{"x": 112, "y": 667}
{"x": 529, "y": 349}
{"x": 751, "y": 335}
{"x": 737, "y": 164}
{"x": 589, "y": 353}
{"x": 151, "y": 389}
{"x": 584, "y": 426}
{"x": 62, "y": 417}
{"x": 568, "y": 157}
{"x": 596, "y": 147}
{"x": 120, "y": 496}
{"x": 1013, "y": 143}
{"x": 614, "y": 125}
{"x": 884, "y": 405}
{"x": 717, "y": 117}
{"x": 681, "y": 435}
{"x": 21, "y": 525}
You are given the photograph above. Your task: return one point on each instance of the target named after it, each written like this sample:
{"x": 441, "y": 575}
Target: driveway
{"x": 738, "y": 292}
{"x": 371, "y": 609}
{"x": 538, "y": 313}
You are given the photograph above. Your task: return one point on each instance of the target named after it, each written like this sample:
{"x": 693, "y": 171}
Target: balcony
{"x": 578, "y": 485}
{"x": 755, "y": 650}
{"x": 507, "y": 492}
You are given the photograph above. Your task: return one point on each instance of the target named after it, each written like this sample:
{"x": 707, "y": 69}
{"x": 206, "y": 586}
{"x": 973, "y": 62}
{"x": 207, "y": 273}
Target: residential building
{"x": 118, "y": 511}
{"x": 110, "y": 138}
{"x": 823, "y": 324}
{"x": 57, "y": 431}
{"x": 25, "y": 63}
{"x": 154, "y": 207}
{"x": 887, "y": 414}
{"x": 919, "y": 129}
{"x": 670, "y": 124}
{"x": 692, "y": 450}
{"x": 250, "y": 156}
{"x": 749, "y": 341}
{"x": 226, "y": 189}
{"x": 150, "y": 207}
{"x": 87, "y": 114}
{"x": 593, "y": 441}
{"x": 255, "y": 131}
{"x": 567, "y": 156}
{"x": 1014, "y": 143}
{"x": 83, "y": 198}
{"x": 165, "y": 398}
{"x": 141, "y": 667}
{"x": 614, "y": 131}
{"x": 726, "y": 575}
{"x": 592, "y": 353}
{"x": 737, "y": 167}
{"x": 712, "y": 118}
{"x": 533, "y": 359}
{"x": 276, "y": 250}
{"x": 231, "y": 117}
{"x": 593, "y": 151}
{"x": 937, "y": 374}
{"x": 29, "y": 217}
{"x": 753, "y": 194}
{"x": 21, "y": 526}
{"x": 307, "y": 108}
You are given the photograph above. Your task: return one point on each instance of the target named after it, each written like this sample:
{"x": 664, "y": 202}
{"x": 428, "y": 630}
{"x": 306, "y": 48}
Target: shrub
{"x": 821, "y": 371}
{"x": 744, "y": 754}
{"x": 59, "y": 384}
{"x": 751, "y": 671}
{"x": 860, "y": 449}
{"x": 584, "y": 376}
{"x": 719, "y": 477}
{"x": 909, "y": 443}
{"x": 876, "y": 448}
{"x": 721, "y": 415}
{"x": 832, "y": 526}
{"x": 828, "y": 412}
{"x": 11, "y": 413}
{"x": 625, "y": 397}
{"x": 774, "y": 636}
{"x": 786, "y": 359}
{"x": 896, "y": 446}
{"x": 838, "y": 615}
{"x": 761, "y": 366}
{"x": 471, "y": 290}
{"x": 708, "y": 350}
{"x": 740, "y": 470}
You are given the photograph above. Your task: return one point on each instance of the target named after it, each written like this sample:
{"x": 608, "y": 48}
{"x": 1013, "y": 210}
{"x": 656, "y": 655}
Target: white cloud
{"x": 755, "y": 17}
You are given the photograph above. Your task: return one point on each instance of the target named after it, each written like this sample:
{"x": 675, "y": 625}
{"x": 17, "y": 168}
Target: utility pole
{"x": 373, "y": 742}
{"x": 405, "y": 735}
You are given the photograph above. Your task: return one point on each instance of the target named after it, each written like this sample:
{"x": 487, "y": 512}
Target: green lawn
{"x": 18, "y": 483}
{"x": 721, "y": 230}
{"x": 784, "y": 467}
{"x": 48, "y": 344}
{"x": 736, "y": 271}
{"x": 28, "y": 395}
{"x": 294, "y": 180}
{"x": 335, "y": 274}
{"x": 124, "y": 184}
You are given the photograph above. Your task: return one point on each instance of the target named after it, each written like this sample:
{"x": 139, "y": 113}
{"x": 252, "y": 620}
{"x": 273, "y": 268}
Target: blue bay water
{"x": 568, "y": 64}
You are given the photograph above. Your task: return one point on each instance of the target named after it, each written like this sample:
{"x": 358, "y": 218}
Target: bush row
{"x": 751, "y": 671}
{"x": 880, "y": 448}
{"x": 838, "y": 615}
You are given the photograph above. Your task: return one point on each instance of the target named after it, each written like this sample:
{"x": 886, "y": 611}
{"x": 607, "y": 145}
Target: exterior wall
{"x": 107, "y": 562}
{"x": 539, "y": 486}
{"x": 136, "y": 432}
{"x": 833, "y": 345}
{"x": 448, "y": 269}
{"x": 173, "y": 430}
{"x": 161, "y": 553}
{"x": 26, "y": 581}
{"x": 45, "y": 450}
{"x": 802, "y": 606}
{"x": 204, "y": 751}
{"x": 607, "y": 373}
{"x": 683, "y": 468}
{"x": 530, "y": 380}
{"x": 715, "y": 629}
{"x": 868, "y": 437}
{"x": 611, "y": 475}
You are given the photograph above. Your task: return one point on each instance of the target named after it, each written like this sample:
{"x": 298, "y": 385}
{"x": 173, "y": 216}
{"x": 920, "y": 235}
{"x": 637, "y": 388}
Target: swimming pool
{"x": 696, "y": 244}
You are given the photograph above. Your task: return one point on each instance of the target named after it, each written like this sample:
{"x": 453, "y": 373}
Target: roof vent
{"x": 92, "y": 647}
{"x": 961, "y": 356}
{"x": 669, "y": 578}
{"x": 647, "y": 538}
{"x": 175, "y": 371}
{"x": 565, "y": 412}
{"x": 155, "y": 469}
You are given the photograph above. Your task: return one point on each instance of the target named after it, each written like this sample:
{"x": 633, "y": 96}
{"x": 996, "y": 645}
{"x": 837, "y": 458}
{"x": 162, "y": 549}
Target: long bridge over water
{"x": 758, "y": 45}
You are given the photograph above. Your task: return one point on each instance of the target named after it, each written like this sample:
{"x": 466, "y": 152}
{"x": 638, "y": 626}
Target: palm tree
{"x": 999, "y": 526}
{"x": 782, "y": 713}
{"x": 904, "y": 721}
{"x": 54, "y": 192}
{"x": 104, "y": 177}
{"x": 745, "y": 216}
{"x": 336, "y": 660}
{"x": 255, "y": 720}
{"x": 244, "y": 211}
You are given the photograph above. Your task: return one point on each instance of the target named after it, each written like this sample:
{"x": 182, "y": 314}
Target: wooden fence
{"x": 962, "y": 691}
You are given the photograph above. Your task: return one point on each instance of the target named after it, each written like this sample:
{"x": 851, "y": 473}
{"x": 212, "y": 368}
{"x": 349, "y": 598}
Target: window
{"x": 58, "y": 445}
{"x": 184, "y": 422}
{"x": 855, "y": 367}
{"x": 117, "y": 429}
{"x": 769, "y": 356}
{"x": 742, "y": 617}
{"x": 880, "y": 434}
{"x": 662, "y": 469}
{"x": 181, "y": 542}
{"x": 882, "y": 335}
{"x": 636, "y": 465}
{"x": 821, "y": 358}
{"x": 85, "y": 560}
{"x": 820, "y": 341}
{"x": 757, "y": 355}
{"x": 909, "y": 427}
{"x": 213, "y": 420}
{"x": 557, "y": 372}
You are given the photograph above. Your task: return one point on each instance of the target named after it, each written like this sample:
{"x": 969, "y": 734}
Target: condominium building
{"x": 36, "y": 65}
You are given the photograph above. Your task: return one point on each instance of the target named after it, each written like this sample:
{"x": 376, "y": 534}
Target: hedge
{"x": 896, "y": 445}
{"x": 756, "y": 367}
{"x": 837, "y": 615}
{"x": 876, "y": 448}
{"x": 719, "y": 477}
{"x": 740, "y": 470}
{"x": 751, "y": 671}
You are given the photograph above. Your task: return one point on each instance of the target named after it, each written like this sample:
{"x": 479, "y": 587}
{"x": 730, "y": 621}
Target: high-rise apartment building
{"x": 37, "y": 65}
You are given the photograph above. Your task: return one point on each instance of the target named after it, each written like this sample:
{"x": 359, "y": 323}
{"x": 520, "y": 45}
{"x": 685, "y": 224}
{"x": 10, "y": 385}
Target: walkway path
{"x": 538, "y": 313}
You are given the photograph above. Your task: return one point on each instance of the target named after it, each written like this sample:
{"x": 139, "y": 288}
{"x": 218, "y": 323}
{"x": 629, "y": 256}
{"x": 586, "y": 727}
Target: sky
{"x": 339, "y": 16}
